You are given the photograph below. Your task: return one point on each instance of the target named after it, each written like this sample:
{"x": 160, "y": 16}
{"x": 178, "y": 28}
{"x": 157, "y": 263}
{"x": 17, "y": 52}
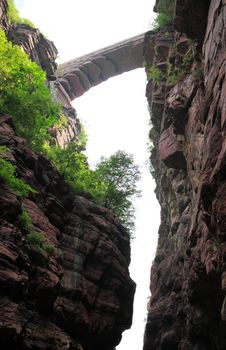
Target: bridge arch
{"x": 77, "y": 76}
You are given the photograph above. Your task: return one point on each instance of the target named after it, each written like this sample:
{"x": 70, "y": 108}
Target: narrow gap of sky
{"x": 115, "y": 112}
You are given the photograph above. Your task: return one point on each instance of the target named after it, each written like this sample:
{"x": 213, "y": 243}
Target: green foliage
{"x": 27, "y": 22}
{"x": 49, "y": 248}
{"x": 14, "y": 16}
{"x": 178, "y": 72}
{"x": 7, "y": 173}
{"x": 24, "y": 94}
{"x": 35, "y": 238}
{"x": 155, "y": 74}
{"x": 83, "y": 138}
{"x": 25, "y": 218}
{"x": 61, "y": 123}
{"x": 73, "y": 165}
{"x": 120, "y": 175}
{"x": 3, "y": 149}
{"x": 165, "y": 9}
{"x": 112, "y": 183}
{"x": 12, "y": 12}
{"x": 36, "y": 241}
{"x": 187, "y": 60}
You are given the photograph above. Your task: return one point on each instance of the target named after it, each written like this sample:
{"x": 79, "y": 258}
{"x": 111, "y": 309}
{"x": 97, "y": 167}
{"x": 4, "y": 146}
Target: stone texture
{"x": 79, "y": 75}
{"x": 187, "y": 309}
{"x": 191, "y": 17}
{"x": 80, "y": 296}
{"x": 170, "y": 151}
{"x": 33, "y": 42}
{"x": 3, "y": 19}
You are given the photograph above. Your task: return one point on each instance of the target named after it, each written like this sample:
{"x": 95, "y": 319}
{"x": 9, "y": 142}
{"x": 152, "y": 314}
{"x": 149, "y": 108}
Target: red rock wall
{"x": 187, "y": 309}
{"x": 78, "y": 297}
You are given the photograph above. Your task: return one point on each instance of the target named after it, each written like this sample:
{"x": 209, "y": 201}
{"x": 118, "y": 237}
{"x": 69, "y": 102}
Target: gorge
{"x": 81, "y": 296}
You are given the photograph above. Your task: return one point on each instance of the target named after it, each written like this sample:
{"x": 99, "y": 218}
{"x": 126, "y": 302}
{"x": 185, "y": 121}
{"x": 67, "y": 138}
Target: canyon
{"x": 81, "y": 295}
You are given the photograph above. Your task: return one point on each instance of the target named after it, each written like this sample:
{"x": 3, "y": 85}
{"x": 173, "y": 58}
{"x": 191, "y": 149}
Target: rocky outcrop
{"x": 72, "y": 290}
{"x": 191, "y": 18}
{"x": 33, "y": 42}
{"x": 187, "y": 306}
{"x": 79, "y": 75}
{"x": 3, "y": 18}
{"x": 44, "y": 53}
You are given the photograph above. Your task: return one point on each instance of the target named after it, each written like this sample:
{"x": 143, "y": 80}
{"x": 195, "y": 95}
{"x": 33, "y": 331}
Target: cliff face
{"x": 76, "y": 295}
{"x": 64, "y": 279}
{"x": 44, "y": 53}
{"x": 187, "y": 309}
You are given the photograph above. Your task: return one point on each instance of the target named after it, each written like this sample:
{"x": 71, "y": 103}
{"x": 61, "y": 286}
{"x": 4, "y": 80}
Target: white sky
{"x": 115, "y": 112}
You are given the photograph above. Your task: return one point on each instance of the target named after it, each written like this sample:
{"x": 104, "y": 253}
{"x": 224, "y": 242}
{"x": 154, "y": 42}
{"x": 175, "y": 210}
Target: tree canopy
{"x": 120, "y": 176}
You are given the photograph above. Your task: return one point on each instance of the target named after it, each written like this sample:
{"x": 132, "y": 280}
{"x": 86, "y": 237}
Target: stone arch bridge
{"x": 77, "y": 76}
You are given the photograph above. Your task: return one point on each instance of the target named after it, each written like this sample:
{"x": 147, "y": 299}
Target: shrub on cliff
{"x": 165, "y": 9}
{"x": 14, "y": 16}
{"x": 24, "y": 94}
{"x": 8, "y": 175}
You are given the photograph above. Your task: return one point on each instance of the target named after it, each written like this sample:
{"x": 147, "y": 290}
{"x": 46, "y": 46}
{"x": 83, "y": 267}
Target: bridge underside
{"x": 77, "y": 76}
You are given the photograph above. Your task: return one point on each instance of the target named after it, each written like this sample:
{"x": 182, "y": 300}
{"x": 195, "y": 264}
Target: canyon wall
{"x": 72, "y": 290}
{"x": 187, "y": 309}
{"x": 76, "y": 294}
{"x": 64, "y": 279}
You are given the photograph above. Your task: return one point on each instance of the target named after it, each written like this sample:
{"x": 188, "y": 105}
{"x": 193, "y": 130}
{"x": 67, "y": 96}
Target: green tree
{"x": 24, "y": 94}
{"x": 120, "y": 176}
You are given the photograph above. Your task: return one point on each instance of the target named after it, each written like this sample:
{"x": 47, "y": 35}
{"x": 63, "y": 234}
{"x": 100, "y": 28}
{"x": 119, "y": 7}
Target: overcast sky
{"x": 115, "y": 112}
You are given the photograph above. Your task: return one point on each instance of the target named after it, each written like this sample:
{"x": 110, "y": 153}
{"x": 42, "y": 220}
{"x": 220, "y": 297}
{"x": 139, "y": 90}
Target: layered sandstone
{"x": 187, "y": 306}
{"x": 79, "y": 294}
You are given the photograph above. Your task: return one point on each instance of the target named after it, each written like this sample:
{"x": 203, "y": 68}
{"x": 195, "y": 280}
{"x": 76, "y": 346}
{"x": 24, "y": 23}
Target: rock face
{"x": 3, "y": 18}
{"x": 79, "y": 75}
{"x": 77, "y": 294}
{"x": 187, "y": 309}
{"x": 33, "y": 42}
{"x": 44, "y": 53}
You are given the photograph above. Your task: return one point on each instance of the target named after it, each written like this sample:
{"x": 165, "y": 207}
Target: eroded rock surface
{"x": 187, "y": 309}
{"x": 3, "y": 18}
{"x": 79, "y": 294}
{"x": 33, "y": 42}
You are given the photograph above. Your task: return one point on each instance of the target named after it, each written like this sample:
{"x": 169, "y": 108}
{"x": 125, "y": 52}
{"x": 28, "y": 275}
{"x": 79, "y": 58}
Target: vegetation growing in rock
{"x": 178, "y": 72}
{"x": 112, "y": 183}
{"x": 36, "y": 241}
{"x": 24, "y": 94}
{"x": 155, "y": 74}
{"x": 25, "y": 218}
{"x": 165, "y": 9}
{"x": 8, "y": 175}
{"x": 14, "y": 16}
